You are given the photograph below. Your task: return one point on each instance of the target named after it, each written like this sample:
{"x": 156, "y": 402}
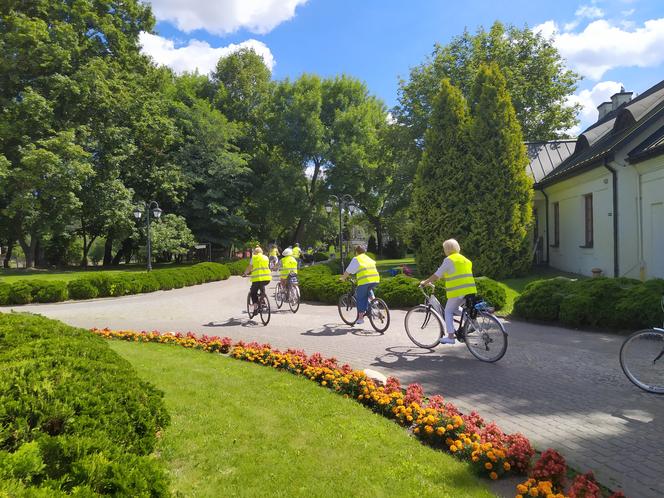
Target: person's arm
{"x": 446, "y": 267}
{"x": 247, "y": 270}
{"x": 350, "y": 270}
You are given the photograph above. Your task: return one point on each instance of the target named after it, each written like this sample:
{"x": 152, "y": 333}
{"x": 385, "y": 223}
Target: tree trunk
{"x": 86, "y": 250}
{"x": 124, "y": 252}
{"x": 29, "y": 250}
{"x": 108, "y": 251}
{"x": 8, "y": 256}
{"x": 299, "y": 231}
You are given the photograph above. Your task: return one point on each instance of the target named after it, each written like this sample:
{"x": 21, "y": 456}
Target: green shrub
{"x": 82, "y": 288}
{"x": 592, "y": 301}
{"x": 20, "y": 293}
{"x": 640, "y": 307}
{"x": 492, "y": 292}
{"x": 541, "y": 299}
{"x": 102, "y": 282}
{"x": 400, "y": 291}
{"x": 237, "y": 267}
{"x": 164, "y": 279}
{"x": 148, "y": 281}
{"x": 74, "y": 417}
{"x": 320, "y": 256}
{"x": 52, "y": 291}
{"x": 5, "y": 290}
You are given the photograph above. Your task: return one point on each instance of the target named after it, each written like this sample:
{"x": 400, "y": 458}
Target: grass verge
{"x": 239, "y": 429}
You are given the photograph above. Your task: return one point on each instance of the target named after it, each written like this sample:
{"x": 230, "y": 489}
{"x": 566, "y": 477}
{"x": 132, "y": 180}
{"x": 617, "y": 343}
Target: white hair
{"x": 450, "y": 246}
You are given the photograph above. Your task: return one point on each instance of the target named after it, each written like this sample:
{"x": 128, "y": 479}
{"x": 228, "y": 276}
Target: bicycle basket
{"x": 292, "y": 278}
{"x": 435, "y": 304}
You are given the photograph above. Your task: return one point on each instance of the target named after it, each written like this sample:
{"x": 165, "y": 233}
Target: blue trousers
{"x": 362, "y": 296}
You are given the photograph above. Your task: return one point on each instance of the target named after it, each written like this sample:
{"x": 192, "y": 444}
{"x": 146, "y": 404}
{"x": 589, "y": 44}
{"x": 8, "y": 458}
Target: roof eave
{"x": 594, "y": 162}
{"x": 648, "y": 154}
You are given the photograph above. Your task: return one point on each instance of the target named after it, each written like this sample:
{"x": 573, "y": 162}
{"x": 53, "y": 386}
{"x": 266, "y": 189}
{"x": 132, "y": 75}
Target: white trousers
{"x": 452, "y": 307}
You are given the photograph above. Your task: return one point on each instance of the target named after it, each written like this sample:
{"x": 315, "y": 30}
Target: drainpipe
{"x": 546, "y": 223}
{"x": 614, "y": 174}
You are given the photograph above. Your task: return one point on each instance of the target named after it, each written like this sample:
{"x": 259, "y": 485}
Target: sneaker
{"x": 359, "y": 321}
{"x": 447, "y": 340}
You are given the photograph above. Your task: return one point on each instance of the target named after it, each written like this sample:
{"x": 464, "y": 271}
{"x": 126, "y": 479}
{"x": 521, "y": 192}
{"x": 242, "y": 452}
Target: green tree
{"x": 536, "y": 78}
{"x": 442, "y": 194}
{"x": 171, "y": 237}
{"x": 501, "y": 214}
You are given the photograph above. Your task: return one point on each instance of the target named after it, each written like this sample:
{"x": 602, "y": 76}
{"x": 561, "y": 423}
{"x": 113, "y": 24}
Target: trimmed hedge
{"x": 237, "y": 267}
{"x": 320, "y": 283}
{"x": 74, "y": 416}
{"x": 100, "y": 284}
{"x": 615, "y": 303}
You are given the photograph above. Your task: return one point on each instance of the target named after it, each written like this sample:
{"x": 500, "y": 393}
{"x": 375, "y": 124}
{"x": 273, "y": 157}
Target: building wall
{"x": 651, "y": 215}
{"x": 569, "y": 255}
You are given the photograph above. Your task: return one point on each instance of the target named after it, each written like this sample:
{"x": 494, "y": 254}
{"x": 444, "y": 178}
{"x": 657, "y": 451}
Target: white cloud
{"x": 225, "y": 16}
{"x": 589, "y": 12}
{"x": 602, "y": 46}
{"x": 590, "y": 99}
{"x": 197, "y": 55}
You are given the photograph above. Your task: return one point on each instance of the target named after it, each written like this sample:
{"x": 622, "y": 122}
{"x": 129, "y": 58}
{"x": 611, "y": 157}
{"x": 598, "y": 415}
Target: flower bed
{"x": 432, "y": 420}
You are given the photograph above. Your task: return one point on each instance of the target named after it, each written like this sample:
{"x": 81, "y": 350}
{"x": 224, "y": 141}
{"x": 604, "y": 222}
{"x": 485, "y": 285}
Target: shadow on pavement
{"x": 234, "y": 322}
{"x": 335, "y": 329}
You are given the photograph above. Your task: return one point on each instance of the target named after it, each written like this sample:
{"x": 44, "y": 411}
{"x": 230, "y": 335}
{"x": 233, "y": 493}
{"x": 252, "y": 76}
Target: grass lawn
{"x": 383, "y": 265}
{"x": 13, "y": 275}
{"x": 240, "y": 429}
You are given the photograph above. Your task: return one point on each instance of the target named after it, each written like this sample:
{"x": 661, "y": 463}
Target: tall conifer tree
{"x": 440, "y": 200}
{"x": 501, "y": 214}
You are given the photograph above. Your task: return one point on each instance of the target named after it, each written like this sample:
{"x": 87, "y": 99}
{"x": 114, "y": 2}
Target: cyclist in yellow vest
{"x": 274, "y": 256}
{"x": 367, "y": 278}
{"x": 287, "y": 265}
{"x": 459, "y": 282}
{"x": 259, "y": 268}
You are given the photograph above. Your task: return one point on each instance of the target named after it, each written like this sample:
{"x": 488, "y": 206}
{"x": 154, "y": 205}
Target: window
{"x": 556, "y": 224}
{"x": 588, "y": 210}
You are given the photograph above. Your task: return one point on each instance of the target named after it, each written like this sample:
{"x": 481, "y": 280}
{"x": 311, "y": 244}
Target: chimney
{"x": 620, "y": 98}
{"x": 604, "y": 108}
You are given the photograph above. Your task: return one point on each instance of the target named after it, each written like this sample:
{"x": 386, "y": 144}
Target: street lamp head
{"x": 351, "y": 207}
{"x": 328, "y": 207}
{"x": 156, "y": 212}
{"x": 138, "y": 213}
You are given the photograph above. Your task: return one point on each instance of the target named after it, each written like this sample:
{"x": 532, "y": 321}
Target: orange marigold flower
{"x": 493, "y": 476}
{"x": 488, "y": 466}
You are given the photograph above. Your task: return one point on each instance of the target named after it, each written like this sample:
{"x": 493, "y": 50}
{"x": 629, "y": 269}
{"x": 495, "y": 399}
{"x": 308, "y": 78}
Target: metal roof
{"x": 545, "y": 156}
{"x": 653, "y": 145}
{"x": 602, "y": 138}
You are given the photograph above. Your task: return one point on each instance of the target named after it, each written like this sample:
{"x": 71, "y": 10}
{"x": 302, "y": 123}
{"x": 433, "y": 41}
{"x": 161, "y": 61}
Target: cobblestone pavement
{"x": 562, "y": 388}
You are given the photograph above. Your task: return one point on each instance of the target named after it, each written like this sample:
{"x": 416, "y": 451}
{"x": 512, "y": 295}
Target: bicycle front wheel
{"x": 379, "y": 315}
{"x": 485, "y": 337}
{"x": 249, "y": 313}
{"x": 264, "y": 309}
{"x": 279, "y": 295}
{"x": 294, "y": 298}
{"x": 347, "y": 309}
{"x": 423, "y": 326}
{"x": 642, "y": 359}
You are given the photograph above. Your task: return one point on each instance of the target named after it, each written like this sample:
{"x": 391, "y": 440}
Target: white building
{"x": 599, "y": 199}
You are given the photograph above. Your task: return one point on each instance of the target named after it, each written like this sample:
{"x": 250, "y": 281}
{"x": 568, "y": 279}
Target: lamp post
{"x": 344, "y": 201}
{"x": 156, "y": 212}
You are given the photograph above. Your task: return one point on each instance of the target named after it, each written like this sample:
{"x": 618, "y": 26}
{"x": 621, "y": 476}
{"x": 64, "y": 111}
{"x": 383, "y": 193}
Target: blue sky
{"x": 611, "y": 42}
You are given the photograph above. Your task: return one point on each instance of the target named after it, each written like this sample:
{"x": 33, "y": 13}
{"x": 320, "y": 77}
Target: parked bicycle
{"x": 377, "y": 310}
{"x": 642, "y": 358}
{"x": 262, "y": 309}
{"x": 288, "y": 293}
{"x": 476, "y": 326}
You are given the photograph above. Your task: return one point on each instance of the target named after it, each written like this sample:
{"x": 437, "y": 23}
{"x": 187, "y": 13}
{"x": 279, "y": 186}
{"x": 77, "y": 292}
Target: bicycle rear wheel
{"x": 379, "y": 315}
{"x": 279, "y": 295}
{"x": 423, "y": 326}
{"x": 642, "y": 359}
{"x": 485, "y": 337}
{"x": 249, "y": 313}
{"x": 264, "y": 309}
{"x": 294, "y": 298}
{"x": 347, "y": 309}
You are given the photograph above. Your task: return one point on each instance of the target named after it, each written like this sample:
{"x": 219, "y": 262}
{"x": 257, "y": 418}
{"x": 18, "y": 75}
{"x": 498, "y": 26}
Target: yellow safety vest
{"x": 260, "y": 268}
{"x": 296, "y": 252}
{"x": 288, "y": 264}
{"x": 461, "y": 282}
{"x": 367, "y": 273}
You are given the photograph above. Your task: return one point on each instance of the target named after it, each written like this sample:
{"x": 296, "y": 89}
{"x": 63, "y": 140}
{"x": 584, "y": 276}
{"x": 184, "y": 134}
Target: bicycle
{"x": 263, "y": 308}
{"x": 290, "y": 293}
{"x": 377, "y": 310}
{"x": 642, "y": 358}
{"x": 477, "y": 327}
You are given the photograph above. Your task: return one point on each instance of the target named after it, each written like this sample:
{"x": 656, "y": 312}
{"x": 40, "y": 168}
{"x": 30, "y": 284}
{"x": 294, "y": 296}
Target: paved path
{"x": 562, "y": 388}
